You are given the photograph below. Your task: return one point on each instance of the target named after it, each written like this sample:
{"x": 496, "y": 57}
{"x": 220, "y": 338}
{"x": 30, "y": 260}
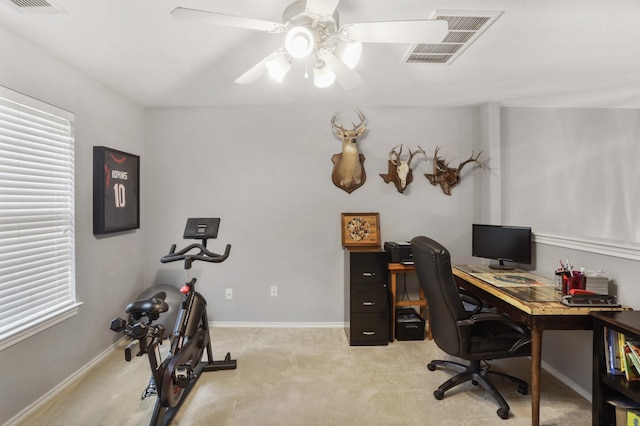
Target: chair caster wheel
{"x": 503, "y": 413}
{"x": 431, "y": 367}
{"x": 438, "y": 394}
{"x": 523, "y": 390}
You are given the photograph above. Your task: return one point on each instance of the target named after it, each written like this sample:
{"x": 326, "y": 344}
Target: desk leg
{"x": 393, "y": 279}
{"x": 426, "y": 313}
{"x": 536, "y": 356}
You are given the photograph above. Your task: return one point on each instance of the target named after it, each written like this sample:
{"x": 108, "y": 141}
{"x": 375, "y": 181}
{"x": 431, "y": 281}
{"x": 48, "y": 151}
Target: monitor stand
{"x": 501, "y": 266}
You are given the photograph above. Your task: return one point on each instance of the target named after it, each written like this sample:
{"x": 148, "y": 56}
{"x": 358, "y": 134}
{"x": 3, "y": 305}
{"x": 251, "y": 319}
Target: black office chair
{"x": 473, "y": 336}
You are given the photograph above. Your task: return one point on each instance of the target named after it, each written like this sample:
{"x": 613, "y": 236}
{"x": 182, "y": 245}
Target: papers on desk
{"x": 534, "y": 293}
{"x": 523, "y": 285}
{"x": 513, "y": 279}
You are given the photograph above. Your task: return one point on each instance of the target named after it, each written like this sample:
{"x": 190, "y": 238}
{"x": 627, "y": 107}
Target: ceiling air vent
{"x": 465, "y": 26}
{"x": 35, "y": 6}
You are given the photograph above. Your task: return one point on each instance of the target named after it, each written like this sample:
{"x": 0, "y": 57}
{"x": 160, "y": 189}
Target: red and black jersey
{"x": 120, "y": 178}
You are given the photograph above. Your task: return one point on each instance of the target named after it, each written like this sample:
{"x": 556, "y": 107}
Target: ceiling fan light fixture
{"x": 323, "y": 76}
{"x": 299, "y": 42}
{"x": 349, "y": 53}
{"x": 278, "y": 66}
{"x": 311, "y": 29}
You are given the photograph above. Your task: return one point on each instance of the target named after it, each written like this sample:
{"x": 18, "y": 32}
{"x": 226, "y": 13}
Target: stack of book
{"x": 622, "y": 355}
{"x": 598, "y": 284}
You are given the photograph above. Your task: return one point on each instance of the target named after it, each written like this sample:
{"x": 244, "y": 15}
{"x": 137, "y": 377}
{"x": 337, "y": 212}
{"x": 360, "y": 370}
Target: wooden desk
{"x": 394, "y": 270}
{"x": 543, "y": 313}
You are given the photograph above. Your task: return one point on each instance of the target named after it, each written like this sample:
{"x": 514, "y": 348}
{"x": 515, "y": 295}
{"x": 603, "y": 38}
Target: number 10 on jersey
{"x": 120, "y": 195}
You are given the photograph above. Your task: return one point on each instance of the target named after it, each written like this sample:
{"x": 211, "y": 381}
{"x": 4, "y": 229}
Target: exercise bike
{"x": 173, "y": 378}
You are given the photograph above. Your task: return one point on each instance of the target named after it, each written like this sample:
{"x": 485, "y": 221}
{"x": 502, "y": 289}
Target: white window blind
{"x": 37, "y": 269}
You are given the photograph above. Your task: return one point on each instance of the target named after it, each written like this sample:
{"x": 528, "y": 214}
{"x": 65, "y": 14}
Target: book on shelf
{"x": 630, "y": 371}
{"x": 622, "y": 355}
{"x": 613, "y": 353}
{"x": 633, "y": 418}
{"x": 634, "y": 355}
{"x": 607, "y": 352}
{"x": 621, "y": 342}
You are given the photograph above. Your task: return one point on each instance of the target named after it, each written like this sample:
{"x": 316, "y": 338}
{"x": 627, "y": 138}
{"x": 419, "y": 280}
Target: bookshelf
{"x": 605, "y": 384}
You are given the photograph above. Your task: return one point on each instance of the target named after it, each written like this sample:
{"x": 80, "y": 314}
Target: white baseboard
{"x": 567, "y": 381}
{"x": 18, "y": 418}
{"x": 277, "y": 324}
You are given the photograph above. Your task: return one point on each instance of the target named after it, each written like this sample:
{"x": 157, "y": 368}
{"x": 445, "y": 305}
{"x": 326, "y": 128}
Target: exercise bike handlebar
{"x": 204, "y": 254}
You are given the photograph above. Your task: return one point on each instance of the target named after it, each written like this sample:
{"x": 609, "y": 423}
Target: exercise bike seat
{"x": 153, "y": 305}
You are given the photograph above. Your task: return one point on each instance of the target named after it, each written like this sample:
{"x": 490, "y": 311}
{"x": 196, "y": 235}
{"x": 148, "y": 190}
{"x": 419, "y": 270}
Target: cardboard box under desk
{"x": 409, "y": 324}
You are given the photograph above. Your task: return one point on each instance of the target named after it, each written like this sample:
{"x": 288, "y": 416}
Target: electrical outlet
{"x": 274, "y": 290}
{"x": 228, "y": 293}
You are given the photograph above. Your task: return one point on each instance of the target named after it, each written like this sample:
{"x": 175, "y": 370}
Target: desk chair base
{"x": 476, "y": 375}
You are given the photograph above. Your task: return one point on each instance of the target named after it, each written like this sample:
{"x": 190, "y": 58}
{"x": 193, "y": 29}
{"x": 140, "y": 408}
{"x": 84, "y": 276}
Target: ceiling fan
{"x": 313, "y": 31}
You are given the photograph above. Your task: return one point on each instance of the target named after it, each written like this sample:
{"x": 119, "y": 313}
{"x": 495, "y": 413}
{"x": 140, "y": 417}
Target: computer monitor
{"x": 502, "y": 243}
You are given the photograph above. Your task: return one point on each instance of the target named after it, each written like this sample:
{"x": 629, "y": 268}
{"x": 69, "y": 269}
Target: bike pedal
{"x": 150, "y": 390}
{"x": 183, "y": 376}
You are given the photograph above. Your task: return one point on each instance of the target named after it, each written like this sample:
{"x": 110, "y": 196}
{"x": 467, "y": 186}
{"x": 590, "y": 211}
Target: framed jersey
{"x": 116, "y": 191}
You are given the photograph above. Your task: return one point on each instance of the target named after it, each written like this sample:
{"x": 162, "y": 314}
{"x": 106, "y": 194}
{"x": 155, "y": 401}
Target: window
{"x": 37, "y": 258}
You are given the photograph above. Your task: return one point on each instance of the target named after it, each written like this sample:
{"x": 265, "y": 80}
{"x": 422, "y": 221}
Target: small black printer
{"x": 398, "y": 252}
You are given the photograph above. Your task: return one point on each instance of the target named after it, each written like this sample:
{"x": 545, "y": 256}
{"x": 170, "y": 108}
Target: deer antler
{"x": 435, "y": 153}
{"x": 412, "y": 154}
{"x": 359, "y": 128}
{"x": 333, "y": 122}
{"x": 471, "y": 160}
{"x": 438, "y": 163}
{"x": 394, "y": 156}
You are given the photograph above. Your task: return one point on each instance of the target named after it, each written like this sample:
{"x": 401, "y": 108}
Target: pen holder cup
{"x": 575, "y": 282}
{"x": 559, "y": 277}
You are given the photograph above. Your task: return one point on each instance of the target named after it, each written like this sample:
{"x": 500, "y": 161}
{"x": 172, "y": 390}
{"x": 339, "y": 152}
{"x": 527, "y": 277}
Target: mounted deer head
{"x": 446, "y": 176}
{"x": 348, "y": 166}
{"x": 400, "y": 170}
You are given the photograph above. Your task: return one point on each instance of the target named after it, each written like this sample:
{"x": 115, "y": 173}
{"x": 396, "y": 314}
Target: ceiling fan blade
{"x": 195, "y": 15}
{"x": 322, "y": 7}
{"x": 346, "y": 77}
{"x": 421, "y": 31}
{"x": 256, "y": 71}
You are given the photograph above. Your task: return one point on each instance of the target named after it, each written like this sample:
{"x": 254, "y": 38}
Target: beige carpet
{"x": 310, "y": 377}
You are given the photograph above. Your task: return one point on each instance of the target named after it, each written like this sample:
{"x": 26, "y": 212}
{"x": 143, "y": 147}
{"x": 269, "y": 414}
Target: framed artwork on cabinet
{"x": 116, "y": 191}
{"x": 360, "y": 230}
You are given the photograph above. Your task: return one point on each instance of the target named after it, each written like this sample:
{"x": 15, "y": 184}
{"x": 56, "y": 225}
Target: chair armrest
{"x": 490, "y": 316}
{"x": 471, "y": 300}
{"x": 508, "y": 321}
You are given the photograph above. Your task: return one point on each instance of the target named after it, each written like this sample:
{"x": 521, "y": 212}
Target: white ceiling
{"x": 554, "y": 53}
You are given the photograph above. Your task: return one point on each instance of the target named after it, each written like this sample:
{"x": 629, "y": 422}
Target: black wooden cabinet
{"x": 366, "y": 297}
{"x": 605, "y": 385}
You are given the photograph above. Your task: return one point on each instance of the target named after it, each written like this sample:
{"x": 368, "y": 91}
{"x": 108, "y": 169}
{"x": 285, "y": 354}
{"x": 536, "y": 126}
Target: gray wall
{"x": 572, "y": 174}
{"x": 267, "y": 173}
{"x": 108, "y": 271}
